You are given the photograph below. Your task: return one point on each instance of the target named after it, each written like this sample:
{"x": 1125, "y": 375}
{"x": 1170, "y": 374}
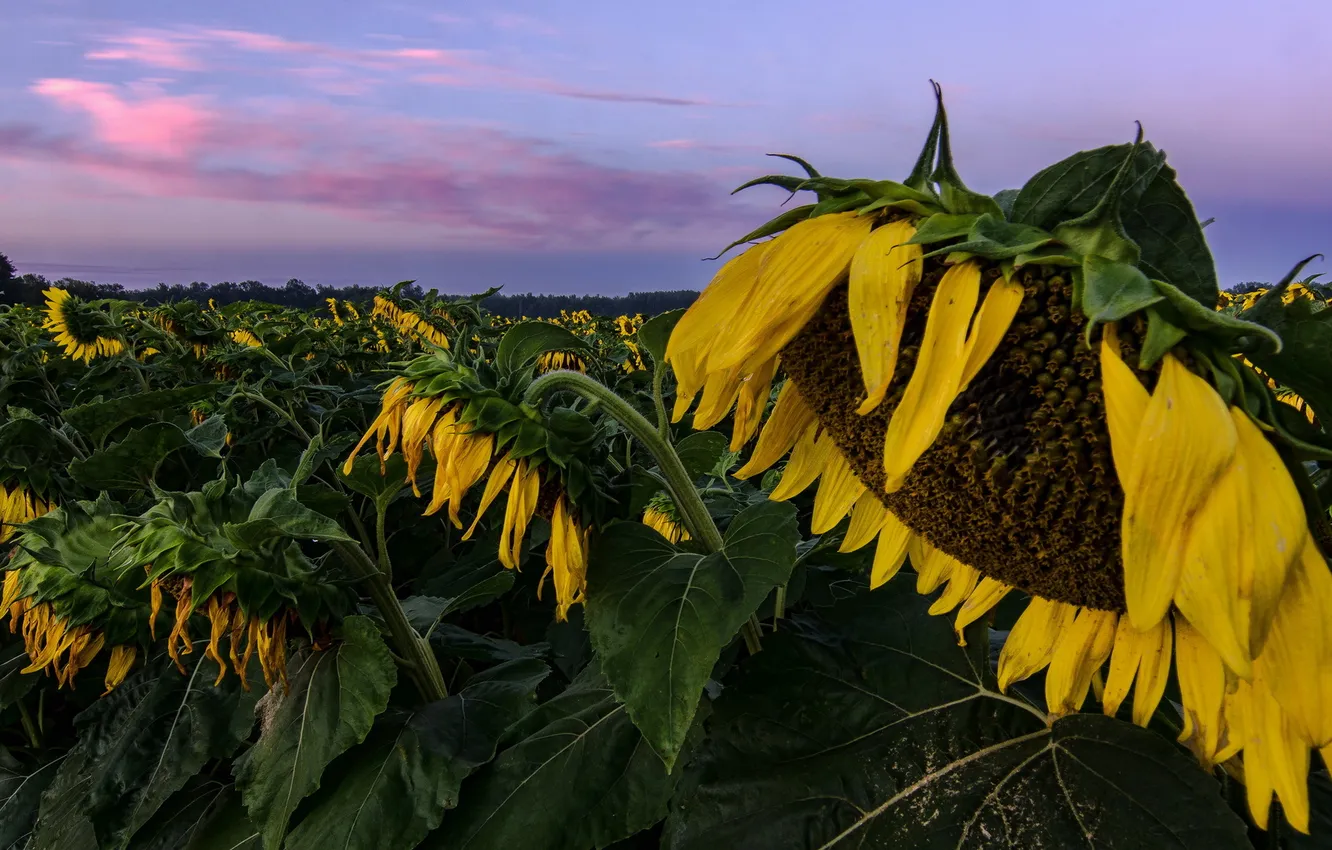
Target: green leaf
{"x": 1233, "y": 332}
{"x": 130, "y": 463}
{"x": 143, "y": 742}
{"x": 942, "y": 227}
{"x": 397, "y": 786}
{"x": 184, "y": 817}
{"x": 659, "y": 616}
{"x": 1174, "y": 249}
{"x": 1112, "y": 291}
{"x": 1162, "y": 335}
{"x": 576, "y": 774}
{"x": 229, "y": 829}
{"x": 871, "y": 727}
{"x": 309, "y": 461}
{"x": 526, "y": 341}
{"x": 366, "y": 478}
{"x": 993, "y": 238}
{"x": 335, "y": 696}
{"x": 100, "y": 418}
{"x": 209, "y": 437}
{"x": 277, "y": 513}
{"x": 1305, "y": 361}
{"x": 792, "y": 216}
{"x": 456, "y": 642}
{"x": 471, "y": 581}
{"x": 656, "y": 332}
{"x": 700, "y": 451}
{"x": 1071, "y": 187}
{"x": 20, "y": 795}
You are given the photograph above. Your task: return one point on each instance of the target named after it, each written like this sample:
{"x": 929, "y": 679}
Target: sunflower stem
{"x": 663, "y": 423}
{"x": 419, "y": 660}
{"x": 381, "y": 538}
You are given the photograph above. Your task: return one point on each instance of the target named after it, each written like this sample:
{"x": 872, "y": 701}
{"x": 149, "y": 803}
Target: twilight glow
{"x": 591, "y": 146}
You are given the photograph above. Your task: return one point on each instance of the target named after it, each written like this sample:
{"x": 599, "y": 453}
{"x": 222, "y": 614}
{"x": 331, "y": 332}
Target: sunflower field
{"x": 940, "y": 520}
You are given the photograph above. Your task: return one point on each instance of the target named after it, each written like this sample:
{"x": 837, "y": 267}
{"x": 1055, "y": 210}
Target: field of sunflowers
{"x": 940, "y": 520}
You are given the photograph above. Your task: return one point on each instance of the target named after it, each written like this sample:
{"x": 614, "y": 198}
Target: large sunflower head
{"x": 1035, "y": 392}
{"x": 84, "y": 331}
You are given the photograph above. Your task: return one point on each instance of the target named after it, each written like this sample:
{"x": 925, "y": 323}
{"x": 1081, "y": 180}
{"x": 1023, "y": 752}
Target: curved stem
{"x": 663, "y": 421}
{"x": 415, "y": 651}
{"x": 681, "y": 486}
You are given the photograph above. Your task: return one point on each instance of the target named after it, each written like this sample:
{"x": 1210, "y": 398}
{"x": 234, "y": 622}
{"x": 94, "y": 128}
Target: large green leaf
{"x": 278, "y": 513}
{"x": 228, "y": 828}
{"x": 659, "y": 616}
{"x": 334, "y": 698}
{"x": 1072, "y": 186}
{"x": 576, "y": 774}
{"x": 656, "y": 333}
{"x": 700, "y": 451}
{"x": 873, "y": 728}
{"x": 100, "y": 418}
{"x": 187, "y": 815}
{"x": 130, "y": 463}
{"x": 20, "y": 794}
{"x": 366, "y": 478}
{"x": 395, "y": 788}
{"x": 525, "y": 341}
{"x": 1174, "y": 249}
{"x": 1305, "y": 361}
{"x": 141, "y": 744}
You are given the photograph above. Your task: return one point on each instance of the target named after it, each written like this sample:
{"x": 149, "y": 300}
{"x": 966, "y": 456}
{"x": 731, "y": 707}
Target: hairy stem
{"x": 418, "y": 658}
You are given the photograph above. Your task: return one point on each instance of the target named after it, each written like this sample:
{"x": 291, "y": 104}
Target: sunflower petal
{"x": 753, "y": 400}
{"x": 867, "y": 517}
{"x": 1080, "y": 653}
{"x": 981, "y": 601}
{"x": 805, "y": 465}
{"x": 1202, "y": 690}
{"x": 1031, "y": 644}
{"x": 1125, "y": 402}
{"x": 838, "y": 491}
{"x": 1144, "y": 655}
{"x": 1184, "y": 443}
{"x": 934, "y": 383}
{"x": 962, "y": 580}
{"x": 990, "y": 326}
{"x": 883, "y": 276}
{"x": 790, "y": 418}
{"x": 891, "y": 553}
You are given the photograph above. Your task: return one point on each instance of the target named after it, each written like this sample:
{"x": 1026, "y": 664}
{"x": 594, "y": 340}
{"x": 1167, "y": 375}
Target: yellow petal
{"x": 518, "y": 511}
{"x": 469, "y": 462}
{"x": 1144, "y": 655}
{"x": 990, "y": 326}
{"x": 1031, "y": 644}
{"x": 719, "y": 394}
{"x": 962, "y": 580}
{"x": 1283, "y": 755}
{"x": 932, "y": 566}
{"x": 838, "y": 491}
{"x": 807, "y": 461}
{"x": 981, "y": 601}
{"x": 890, "y": 554}
{"x": 1202, "y": 689}
{"x": 1297, "y": 660}
{"x": 698, "y": 329}
{"x": 790, "y": 418}
{"x": 1080, "y": 653}
{"x": 1184, "y": 443}
{"x": 499, "y": 476}
{"x": 753, "y": 400}
{"x": 883, "y": 276}
{"x": 1125, "y": 402}
{"x": 934, "y": 382}
{"x": 1274, "y": 533}
{"x": 867, "y": 517}
{"x": 795, "y": 275}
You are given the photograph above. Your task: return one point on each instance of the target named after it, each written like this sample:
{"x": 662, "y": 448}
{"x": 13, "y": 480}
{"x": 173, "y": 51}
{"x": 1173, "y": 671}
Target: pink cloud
{"x": 153, "y": 50}
{"x": 508, "y": 189}
{"x": 696, "y": 145}
{"x": 496, "y": 78}
{"x": 523, "y": 23}
{"x": 159, "y": 126}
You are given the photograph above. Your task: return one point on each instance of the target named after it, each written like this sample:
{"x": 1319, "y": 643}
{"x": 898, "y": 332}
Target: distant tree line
{"x": 27, "y": 289}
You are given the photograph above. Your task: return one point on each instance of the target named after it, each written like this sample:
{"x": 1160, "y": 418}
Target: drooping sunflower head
{"x": 18, "y": 504}
{"x": 553, "y": 360}
{"x": 244, "y": 337}
{"x": 661, "y": 516}
{"x": 83, "y": 331}
{"x": 1035, "y": 392}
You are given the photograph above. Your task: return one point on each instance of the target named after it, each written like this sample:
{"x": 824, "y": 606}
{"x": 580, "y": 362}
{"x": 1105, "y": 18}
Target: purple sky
{"x": 591, "y": 145}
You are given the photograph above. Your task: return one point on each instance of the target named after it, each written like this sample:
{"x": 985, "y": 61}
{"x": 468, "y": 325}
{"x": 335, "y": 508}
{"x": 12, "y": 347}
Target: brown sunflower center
{"x": 1020, "y": 482}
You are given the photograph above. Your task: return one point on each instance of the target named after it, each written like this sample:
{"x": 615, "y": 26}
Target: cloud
{"x": 155, "y": 51}
{"x": 495, "y": 78}
{"x": 696, "y": 145}
{"x": 504, "y": 189}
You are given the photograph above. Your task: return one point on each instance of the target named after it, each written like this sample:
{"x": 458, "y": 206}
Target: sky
{"x": 591, "y": 146}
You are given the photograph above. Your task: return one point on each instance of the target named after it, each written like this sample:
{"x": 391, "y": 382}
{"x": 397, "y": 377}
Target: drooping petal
{"x": 806, "y": 463}
{"x": 934, "y": 382}
{"x": 1281, "y": 758}
{"x": 1125, "y": 402}
{"x": 518, "y": 512}
{"x": 1080, "y": 653}
{"x": 1296, "y": 661}
{"x": 468, "y": 465}
{"x": 796, "y": 274}
{"x": 749, "y": 407}
{"x": 990, "y": 326}
{"x": 838, "y": 491}
{"x": 981, "y": 601}
{"x": 1144, "y": 655}
{"x": 932, "y": 566}
{"x": 790, "y": 418}
{"x": 1184, "y": 443}
{"x": 1031, "y": 644}
{"x": 1274, "y": 533}
{"x": 891, "y": 553}
{"x": 499, "y": 476}
{"x": 122, "y": 659}
{"x": 417, "y": 423}
{"x": 867, "y": 517}
{"x": 720, "y": 390}
{"x": 883, "y": 276}
{"x": 1202, "y": 690}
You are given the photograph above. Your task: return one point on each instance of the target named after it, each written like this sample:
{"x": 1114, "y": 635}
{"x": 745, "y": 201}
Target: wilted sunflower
{"x": 554, "y": 360}
{"x": 246, "y": 338}
{"x": 661, "y": 517}
{"x": 84, "y": 331}
{"x": 409, "y": 323}
{"x": 1017, "y": 408}
{"x": 17, "y": 506}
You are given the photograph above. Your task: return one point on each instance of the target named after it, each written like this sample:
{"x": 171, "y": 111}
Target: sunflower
{"x": 83, "y": 331}
{"x": 554, "y": 360}
{"x": 410, "y": 323}
{"x": 660, "y": 516}
{"x": 961, "y": 408}
{"x": 464, "y": 455}
{"x": 17, "y": 506}
{"x": 264, "y": 637}
{"x": 246, "y": 338}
